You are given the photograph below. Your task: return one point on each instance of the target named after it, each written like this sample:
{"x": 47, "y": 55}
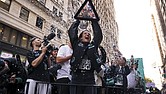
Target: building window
{"x": 29, "y": 38}
{"x": 13, "y": 37}
{"x": 55, "y": 11}
{"x": 60, "y": 14}
{"x": 1, "y": 31}
{"x": 53, "y": 29}
{"x": 42, "y": 1}
{"x": 5, "y": 4}
{"x": 39, "y": 22}
{"x": 6, "y": 33}
{"x": 24, "y": 14}
{"x": 18, "y": 42}
{"x": 24, "y": 40}
{"x": 59, "y": 33}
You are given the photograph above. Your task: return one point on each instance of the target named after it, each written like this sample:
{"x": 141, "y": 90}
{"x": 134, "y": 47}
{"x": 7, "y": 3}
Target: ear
{"x": 81, "y": 39}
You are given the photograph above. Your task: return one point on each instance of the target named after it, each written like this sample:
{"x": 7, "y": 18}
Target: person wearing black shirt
{"x": 120, "y": 72}
{"x": 85, "y": 59}
{"x": 54, "y": 66}
{"x": 38, "y": 72}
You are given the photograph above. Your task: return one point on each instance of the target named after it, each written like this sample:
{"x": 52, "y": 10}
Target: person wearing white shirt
{"x": 132, "y": 78}
{"x": 63, "y": 74}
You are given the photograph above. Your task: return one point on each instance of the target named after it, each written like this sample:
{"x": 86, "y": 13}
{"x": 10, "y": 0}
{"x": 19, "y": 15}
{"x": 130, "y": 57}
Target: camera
{"x": 46, "y": 40}
{"x": 15, "y": 73}
{"x": 16, "y": 80}
{"x": 54, "y": 68}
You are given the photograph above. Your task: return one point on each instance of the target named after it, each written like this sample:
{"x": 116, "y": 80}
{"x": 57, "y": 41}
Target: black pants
{"x": 12, "y": 88}
{"x": 63, "y": 89}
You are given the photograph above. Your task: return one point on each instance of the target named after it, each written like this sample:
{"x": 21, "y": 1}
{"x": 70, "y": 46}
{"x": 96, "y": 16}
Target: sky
{"x": 135, "y": 33}
{"x": 133, "y": 21}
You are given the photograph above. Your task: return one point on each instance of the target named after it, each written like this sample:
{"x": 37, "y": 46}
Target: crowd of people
{"x": 79, "y": 67}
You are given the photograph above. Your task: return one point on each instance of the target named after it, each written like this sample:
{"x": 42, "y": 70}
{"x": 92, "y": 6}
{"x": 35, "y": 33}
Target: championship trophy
{"x": 87, "y": 12}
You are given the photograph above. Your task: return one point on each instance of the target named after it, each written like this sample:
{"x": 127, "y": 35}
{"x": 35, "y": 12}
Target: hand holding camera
{"x": 47, "y": 48}
{"x": 44, "y": 49}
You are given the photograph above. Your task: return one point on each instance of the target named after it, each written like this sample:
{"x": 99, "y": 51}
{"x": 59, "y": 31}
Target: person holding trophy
{"x": 85, "y": 59}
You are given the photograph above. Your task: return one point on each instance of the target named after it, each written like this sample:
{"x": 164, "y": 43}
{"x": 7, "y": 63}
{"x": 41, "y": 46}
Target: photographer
{"x": 13, "y": 76}
{"x": 39, "y": 63}
{"x": 54, "y": 66}
{"x": 53, "y": 69}
{"x": 4, "y": 68}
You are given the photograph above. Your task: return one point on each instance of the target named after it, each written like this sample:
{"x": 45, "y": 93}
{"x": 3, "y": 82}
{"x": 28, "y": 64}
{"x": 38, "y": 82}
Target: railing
{"x": 95, "y": 88}
{"x": 58, "y": 87}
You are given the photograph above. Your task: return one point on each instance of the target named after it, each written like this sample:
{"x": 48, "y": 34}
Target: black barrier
{"x": 3, "y": 91}
{"x": 105, "y": 89}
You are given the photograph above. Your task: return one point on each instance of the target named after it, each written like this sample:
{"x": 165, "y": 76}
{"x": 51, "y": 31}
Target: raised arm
{"x": 35, "y": 61}
{"x": 73, "y": 32}
{"x": 127, "y": 72}
{"x": 97, "y": 33}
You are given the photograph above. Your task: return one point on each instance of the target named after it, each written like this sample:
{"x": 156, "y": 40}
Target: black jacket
{"x": 125, "y": 72}
{"x": 80, "y": 49}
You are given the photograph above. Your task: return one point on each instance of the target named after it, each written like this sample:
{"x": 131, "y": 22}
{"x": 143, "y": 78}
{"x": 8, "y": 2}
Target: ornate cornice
{"x": 49, "y": 12}
{"x": 59, "y": 5}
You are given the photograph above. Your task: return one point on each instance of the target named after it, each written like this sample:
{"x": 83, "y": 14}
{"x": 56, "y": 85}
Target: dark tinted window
{"x": 39, "y": 22}
{"x": 5, "y": 4}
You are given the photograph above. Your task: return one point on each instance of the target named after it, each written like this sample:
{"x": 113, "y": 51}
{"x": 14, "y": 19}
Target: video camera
{"x": 46, "y": 40}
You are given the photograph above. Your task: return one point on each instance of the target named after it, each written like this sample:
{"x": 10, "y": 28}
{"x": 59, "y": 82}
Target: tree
{"x": 148, "y": 80}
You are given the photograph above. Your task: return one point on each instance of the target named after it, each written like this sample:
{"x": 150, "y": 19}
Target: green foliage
{"x": 148, "y": 80}
{"x": 164, "y": 75}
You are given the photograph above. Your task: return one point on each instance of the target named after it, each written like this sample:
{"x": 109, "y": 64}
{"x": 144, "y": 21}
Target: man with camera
{"x": 38, "y": 72}
{"x": 12, "y": 75}
{"x": 4, "y": 68}
{"x": 54, "y": 65}
{"x": 53, "y": 69}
